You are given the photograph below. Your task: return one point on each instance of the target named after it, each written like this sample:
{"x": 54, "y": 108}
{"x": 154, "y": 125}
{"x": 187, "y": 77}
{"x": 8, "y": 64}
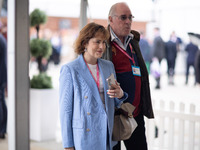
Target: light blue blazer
{"x": 84, "y": 121}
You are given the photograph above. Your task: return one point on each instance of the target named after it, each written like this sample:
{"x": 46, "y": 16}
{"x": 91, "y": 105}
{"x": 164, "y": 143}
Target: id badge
{"x": 136, "y": 70}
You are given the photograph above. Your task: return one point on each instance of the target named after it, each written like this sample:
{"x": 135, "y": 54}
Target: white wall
{"x": 180, "y": 16}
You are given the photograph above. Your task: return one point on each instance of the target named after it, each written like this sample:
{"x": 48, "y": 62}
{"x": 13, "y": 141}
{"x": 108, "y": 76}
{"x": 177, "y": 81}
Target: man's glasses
{"x": 124, "y": 17}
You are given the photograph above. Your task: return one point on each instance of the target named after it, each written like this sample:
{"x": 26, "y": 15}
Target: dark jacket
{"x": 147, "y": 109}
{"x": 197, "y": 67}
{"x": 158, "y": 48}
{"x": 3, "y": 60}
{"x": 170, "y": 51}
{"x": 191, "y": 50}
{"x": 145, "y": 50}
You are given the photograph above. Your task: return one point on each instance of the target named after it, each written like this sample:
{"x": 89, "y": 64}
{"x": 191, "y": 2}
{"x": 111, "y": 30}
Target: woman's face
{"x": 95, "y": 47}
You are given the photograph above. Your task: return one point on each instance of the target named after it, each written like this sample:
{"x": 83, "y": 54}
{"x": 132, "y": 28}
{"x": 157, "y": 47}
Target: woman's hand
{"x": 116, "y": 91}
{"x": 70, "y": 148}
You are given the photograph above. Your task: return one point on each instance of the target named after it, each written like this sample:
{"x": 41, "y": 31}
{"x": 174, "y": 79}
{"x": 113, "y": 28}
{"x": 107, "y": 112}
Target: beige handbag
{"x": 124, "y": 123}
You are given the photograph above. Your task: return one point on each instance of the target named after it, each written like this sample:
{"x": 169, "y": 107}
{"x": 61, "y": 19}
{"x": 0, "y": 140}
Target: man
{"x": 123, "y": 50}
{"x": 3, "y": 79}
{"x": 145, "y": 50}
{"x": 197, "y": 67}
{"x": 171, "y": 53}
{"x": 191, "y": 50}
{"x": 158, "y": 50}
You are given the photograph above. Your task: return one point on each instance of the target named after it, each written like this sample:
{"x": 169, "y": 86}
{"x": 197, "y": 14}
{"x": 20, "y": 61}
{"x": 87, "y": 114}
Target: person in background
{"x": 86, "y": 104}
{"x": 191, "y": 50}
{"x": 145, "y": 50}
{"x": 124, "y": 51}
{"x": 56, "y": 42}
{"x": 197, "y": 67}
{"x": 177, "y": 40}
{"x": 158, "y": 50}
{"x": 3, "y": 84}
{"x": 3, "y": 28}
{"x": 171, "y": 53}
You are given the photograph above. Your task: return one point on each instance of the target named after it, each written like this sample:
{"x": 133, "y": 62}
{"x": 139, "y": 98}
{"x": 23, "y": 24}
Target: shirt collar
{"x": 118, "y": 41}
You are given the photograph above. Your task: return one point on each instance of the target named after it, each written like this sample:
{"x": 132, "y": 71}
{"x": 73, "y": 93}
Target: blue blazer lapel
{"x": 105, "y": 73}
{"x": 85, "y": 73}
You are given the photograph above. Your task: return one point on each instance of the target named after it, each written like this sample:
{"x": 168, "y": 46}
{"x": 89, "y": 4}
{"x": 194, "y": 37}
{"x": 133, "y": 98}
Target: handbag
{"x": 124, "y": 123}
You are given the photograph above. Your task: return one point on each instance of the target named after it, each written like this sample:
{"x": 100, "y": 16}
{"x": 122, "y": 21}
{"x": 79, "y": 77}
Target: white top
{"x": 93, "y": 69}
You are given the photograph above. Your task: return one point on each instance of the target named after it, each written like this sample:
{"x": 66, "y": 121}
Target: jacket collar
{"x": 83, "y": 70}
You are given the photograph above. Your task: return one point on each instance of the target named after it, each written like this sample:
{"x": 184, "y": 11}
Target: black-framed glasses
{"x": 124, "y": 17}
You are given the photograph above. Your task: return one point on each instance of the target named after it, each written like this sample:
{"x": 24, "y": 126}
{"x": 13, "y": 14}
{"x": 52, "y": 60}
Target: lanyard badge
{"x": 136, "y": 70}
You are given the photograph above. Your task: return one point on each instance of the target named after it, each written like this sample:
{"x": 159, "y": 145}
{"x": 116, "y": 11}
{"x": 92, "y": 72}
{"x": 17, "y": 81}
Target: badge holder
{"x": 136, "y": 71}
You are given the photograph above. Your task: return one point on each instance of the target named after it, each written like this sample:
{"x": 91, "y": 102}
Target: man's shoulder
{"x": 136, "y": 35}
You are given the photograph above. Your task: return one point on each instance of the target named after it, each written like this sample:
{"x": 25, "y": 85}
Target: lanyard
{"x": 123, "y": 51}
{"x": 98, "y": 78}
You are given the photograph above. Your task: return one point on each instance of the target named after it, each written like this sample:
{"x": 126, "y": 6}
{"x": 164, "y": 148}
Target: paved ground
{"x": 46, "y": 145}
{"x": 177, "y": 93}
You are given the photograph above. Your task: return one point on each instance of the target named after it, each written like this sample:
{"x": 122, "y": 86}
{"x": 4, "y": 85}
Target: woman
{"x": 86, "y": 104}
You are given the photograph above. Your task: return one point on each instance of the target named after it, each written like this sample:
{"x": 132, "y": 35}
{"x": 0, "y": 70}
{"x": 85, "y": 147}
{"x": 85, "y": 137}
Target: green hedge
{"x": 41, "y": 81}
{"x": 37, "y": 17}
{"x": 40, "y": 48}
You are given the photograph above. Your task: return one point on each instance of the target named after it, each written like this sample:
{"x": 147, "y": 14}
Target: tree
{"x": 37, "y": 18}
{"x": 40, "y": 49}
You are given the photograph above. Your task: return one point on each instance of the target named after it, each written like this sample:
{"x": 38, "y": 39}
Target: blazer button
{"x": 88, "y": 130}
{"x": 88, "y": 113}
{"x": 86, "y": 97}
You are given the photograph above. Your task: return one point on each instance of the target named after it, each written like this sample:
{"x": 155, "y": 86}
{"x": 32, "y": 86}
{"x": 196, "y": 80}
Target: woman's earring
{"x": 85, "y": 50}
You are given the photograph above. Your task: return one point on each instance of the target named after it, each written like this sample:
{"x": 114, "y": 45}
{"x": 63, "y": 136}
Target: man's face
{"x": 121, "y": 21}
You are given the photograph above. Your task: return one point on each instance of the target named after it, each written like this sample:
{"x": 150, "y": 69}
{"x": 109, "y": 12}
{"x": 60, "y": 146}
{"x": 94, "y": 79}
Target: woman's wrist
{"x": 121, "y": 93}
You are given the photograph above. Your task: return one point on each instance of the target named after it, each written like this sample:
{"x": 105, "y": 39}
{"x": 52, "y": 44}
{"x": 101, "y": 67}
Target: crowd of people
{"x": 154, "y": 52}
